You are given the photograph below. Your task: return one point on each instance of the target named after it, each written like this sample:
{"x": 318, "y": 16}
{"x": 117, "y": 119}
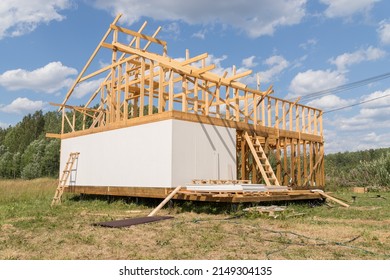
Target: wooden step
{"x": 261, "y": 160}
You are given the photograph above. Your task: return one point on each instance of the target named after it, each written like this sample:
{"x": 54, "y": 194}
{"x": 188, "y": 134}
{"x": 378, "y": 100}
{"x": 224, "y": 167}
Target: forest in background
{"x": 26, "y": 153}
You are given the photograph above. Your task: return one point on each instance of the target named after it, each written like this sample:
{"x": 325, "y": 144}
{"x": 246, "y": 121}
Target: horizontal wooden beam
{"x": 260, "y": 130}
{"x": 136, "y": 34}
{"x": 77, "y": 108}
{"x": 53, "y": 135}
{"x": 195, "y": 59}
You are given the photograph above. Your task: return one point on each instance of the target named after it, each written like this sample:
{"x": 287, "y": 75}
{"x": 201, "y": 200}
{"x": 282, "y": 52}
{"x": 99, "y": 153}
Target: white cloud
{"x": 346, "y": 59}
{"x": 329, "y": 102}
{"x": 87, "y": 87}
{"x": 261, "y": 17}
{"x": 365, "y": 128}
{"x": 173, "y": 29}
{"x": 370, "y": 116}
{"x": 201, "y": 34}
{"x": 249, "y": 62}
{"x": 366, "y": 119}
{"x": 49, "y": 78}
{"x": 338, "y": 141}
{"x": 277, "y": 64}
{"x": 3, "y": 125}
{"x": 22, "y": 105}
{"x": 379, "y": 99}
{"x": 103, "y": 64}
{"x": 23, "y": 16}
{"x": 309, "y": 43}
{"x": 384, "y": 32}
{"x": 347, "y": 8}
{"x": 314, "y": 80}
{"x": 381, "y": 140}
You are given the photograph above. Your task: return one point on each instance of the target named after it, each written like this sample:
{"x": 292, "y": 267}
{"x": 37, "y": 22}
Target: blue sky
{"x": 298, "y": 46}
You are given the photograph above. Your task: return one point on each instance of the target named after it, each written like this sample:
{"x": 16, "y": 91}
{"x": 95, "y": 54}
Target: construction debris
{"x": 270, "y": 210}
{"x": 323, "y": 194}
{"x": 132, "y": 222}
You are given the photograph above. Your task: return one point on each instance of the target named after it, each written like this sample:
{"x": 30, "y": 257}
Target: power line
{"x": 345, "y": 87}
{"x": 356, "y": 104}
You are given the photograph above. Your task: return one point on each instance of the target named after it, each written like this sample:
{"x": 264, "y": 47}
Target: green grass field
{"x": 31, "y": 229}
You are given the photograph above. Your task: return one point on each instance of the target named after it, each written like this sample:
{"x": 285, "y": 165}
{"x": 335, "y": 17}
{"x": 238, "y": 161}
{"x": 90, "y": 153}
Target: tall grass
{"x": 27, "y": 190}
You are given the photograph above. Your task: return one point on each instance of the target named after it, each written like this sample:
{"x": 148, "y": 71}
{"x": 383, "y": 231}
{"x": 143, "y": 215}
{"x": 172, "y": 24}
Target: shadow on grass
{"x": 182, "y": 206}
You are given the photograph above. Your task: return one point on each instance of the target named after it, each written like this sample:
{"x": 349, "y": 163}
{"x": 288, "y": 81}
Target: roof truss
{"x": 139, "y": 82}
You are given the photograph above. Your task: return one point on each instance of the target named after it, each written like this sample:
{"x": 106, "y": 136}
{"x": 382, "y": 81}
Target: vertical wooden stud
{"x": 142, "y": 88}
{"x": 151, "y": 87}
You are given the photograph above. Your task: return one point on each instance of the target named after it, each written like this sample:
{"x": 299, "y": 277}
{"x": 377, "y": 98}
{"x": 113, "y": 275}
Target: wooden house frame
{"x": 276, "y": 142}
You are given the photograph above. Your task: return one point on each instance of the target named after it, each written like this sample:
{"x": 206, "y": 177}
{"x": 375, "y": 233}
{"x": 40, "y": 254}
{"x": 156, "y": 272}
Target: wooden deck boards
{"x": 218, "y": 196}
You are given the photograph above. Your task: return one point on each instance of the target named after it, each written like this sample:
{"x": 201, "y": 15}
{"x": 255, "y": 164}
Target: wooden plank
{"x": 278, "y": 161}
{"x": 53, "y": 135}
{"x": 142, "y": 88}
{"x": 240, "y": 75}
{"x": 196, "y": 95}
{"x": 284, "y": 115}
{"x": 153, "y": 36}
{"x": 285, "y": 177}
{"x": 161, "y": 89}
{"x": 304, "y": 161}
{"x": 299, "y": 173}
{"x": 292, "y": 160}
{"x": 171, "y": 88}
{"x": 138, "y": 35}
{"x": 194, "y": 59}
{"x": 159, "y": 192}
{"x": 269, "y": 111}
{"x": 185, "y": 93}
{"x": 322, "y": 193}
{"x": 297, "y": 116}
{"x": 125, "y": 101}
{"x": 161, "y": 205}
{"x": 255, "y": 109}
{"x": 322, "y": 151}
{"x": 151, "y": 88}
{"x": 277, "y": 113}
{"x": 260, "y": 130}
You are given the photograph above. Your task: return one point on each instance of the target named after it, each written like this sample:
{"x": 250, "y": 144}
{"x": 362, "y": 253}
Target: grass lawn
{"x": 31, "y": 229}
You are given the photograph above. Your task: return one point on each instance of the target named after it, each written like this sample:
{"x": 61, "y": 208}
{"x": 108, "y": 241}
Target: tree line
{"x": 25, "y": 152}
{"x": 368, "y": 168}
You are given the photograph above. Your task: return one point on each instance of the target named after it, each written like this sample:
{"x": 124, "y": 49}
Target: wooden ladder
{"x": 261, "y": 161}
{"x": 64, "y": 178}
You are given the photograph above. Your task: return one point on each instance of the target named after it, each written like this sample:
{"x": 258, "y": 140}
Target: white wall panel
{"x": 202, "y": 151}
{"x": 133, "y": 156}
{"x": 161, "y": 154}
